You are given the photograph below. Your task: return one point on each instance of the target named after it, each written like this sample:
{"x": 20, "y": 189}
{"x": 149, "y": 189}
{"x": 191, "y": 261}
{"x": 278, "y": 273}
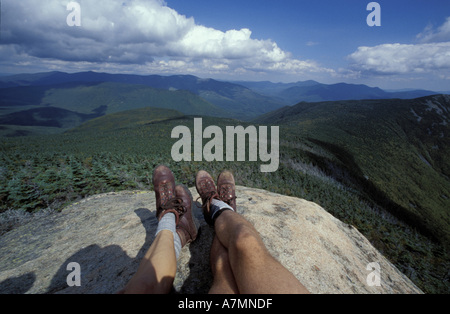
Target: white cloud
{"x": 143, "y": 34}
{"x": 402, "y": 59}
{"x": 441, "y": 34}
{"x": 430, "y": 56}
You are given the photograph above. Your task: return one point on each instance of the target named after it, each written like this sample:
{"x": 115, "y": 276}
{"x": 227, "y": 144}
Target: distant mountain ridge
{"x": 65, "y": 100}
{"x": 312, "y": 91}
{"x": 64, "y": 106}
{"x": 246, "y": 97}
{"x": 241, "y": 102}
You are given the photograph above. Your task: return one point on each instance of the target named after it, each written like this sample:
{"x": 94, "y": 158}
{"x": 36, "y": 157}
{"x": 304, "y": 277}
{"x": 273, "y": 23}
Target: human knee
{"x": 247, "y": 239}
{"x": 218, "y": 255}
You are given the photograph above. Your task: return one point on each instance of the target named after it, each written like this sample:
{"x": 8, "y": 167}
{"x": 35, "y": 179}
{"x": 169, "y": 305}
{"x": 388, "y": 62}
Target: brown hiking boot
{"x": 207, "y": 191}
{"x": 187, "y": 230}
{"x": 166, "y": 199}
{"x": 226, "y": 188}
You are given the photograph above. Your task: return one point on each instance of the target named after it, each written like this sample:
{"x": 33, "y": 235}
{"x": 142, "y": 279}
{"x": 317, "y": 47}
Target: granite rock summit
{"x": 108, "y": 234}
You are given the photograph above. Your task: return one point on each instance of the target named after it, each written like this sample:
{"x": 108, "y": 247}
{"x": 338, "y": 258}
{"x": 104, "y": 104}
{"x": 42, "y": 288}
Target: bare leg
{"x": 157, "y": 270}
{"x": 224, "y": 282}
{"x": 255, "y": 270}
{"x": 176, "y": 228}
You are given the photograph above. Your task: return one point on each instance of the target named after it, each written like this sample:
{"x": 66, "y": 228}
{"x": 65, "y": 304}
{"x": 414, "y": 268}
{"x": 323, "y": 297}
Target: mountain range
{"x": 312, "y": 91}
{"x": 31, "y": 100}
{"x": 238, "y": 101}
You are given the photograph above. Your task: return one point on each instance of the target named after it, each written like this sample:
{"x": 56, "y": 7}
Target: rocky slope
{"x": 107, "y": 235}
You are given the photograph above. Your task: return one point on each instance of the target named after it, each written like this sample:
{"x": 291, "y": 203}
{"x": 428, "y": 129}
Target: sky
{"x": 256, "y": 40}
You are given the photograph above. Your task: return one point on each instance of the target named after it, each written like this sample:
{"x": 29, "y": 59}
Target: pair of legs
{"x": 240, "y": 261}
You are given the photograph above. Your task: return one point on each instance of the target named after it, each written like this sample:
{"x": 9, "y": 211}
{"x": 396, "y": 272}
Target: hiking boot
{"x": 207, "y": 191}
{"x": 186, "y": 229}
{"x": 166, "y": 199}
{"x": 226, "y": 188}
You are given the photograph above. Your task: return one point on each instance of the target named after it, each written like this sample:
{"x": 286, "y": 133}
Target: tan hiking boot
{"x": 186, "y": 229}
{"x": 206, "y": 188}
{"x": 166, "y": 199}
{"x": 226, "y": 188}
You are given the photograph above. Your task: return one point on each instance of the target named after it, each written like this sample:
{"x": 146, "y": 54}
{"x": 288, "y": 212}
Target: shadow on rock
{"x": 104, "y": 270}
{"x": 196, "y": 276}
{"x": 17, "y": 285}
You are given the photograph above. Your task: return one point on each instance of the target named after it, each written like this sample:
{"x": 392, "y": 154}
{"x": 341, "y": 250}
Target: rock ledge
{"x": 108, "y": 234}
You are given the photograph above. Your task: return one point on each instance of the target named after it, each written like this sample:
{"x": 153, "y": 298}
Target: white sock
{"x": 168, "y": 222}
{"x": 217, "y": 205}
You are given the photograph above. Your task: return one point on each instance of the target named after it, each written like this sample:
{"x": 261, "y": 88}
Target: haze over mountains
{"x": 287, "y": 92}
{"x": 236, "y": 100}
{"x": 58, "y": 100}
{"x": 312, "y": 91}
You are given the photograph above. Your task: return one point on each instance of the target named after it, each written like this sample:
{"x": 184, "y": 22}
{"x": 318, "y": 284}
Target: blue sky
{"x": 285, "y": 40}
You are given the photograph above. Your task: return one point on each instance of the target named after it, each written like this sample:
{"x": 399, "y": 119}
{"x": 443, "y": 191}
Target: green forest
{"x": 119, "y": 152}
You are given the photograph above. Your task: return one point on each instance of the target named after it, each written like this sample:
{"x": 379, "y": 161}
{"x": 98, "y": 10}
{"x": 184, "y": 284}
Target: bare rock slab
{"x": 107, "y": 235}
